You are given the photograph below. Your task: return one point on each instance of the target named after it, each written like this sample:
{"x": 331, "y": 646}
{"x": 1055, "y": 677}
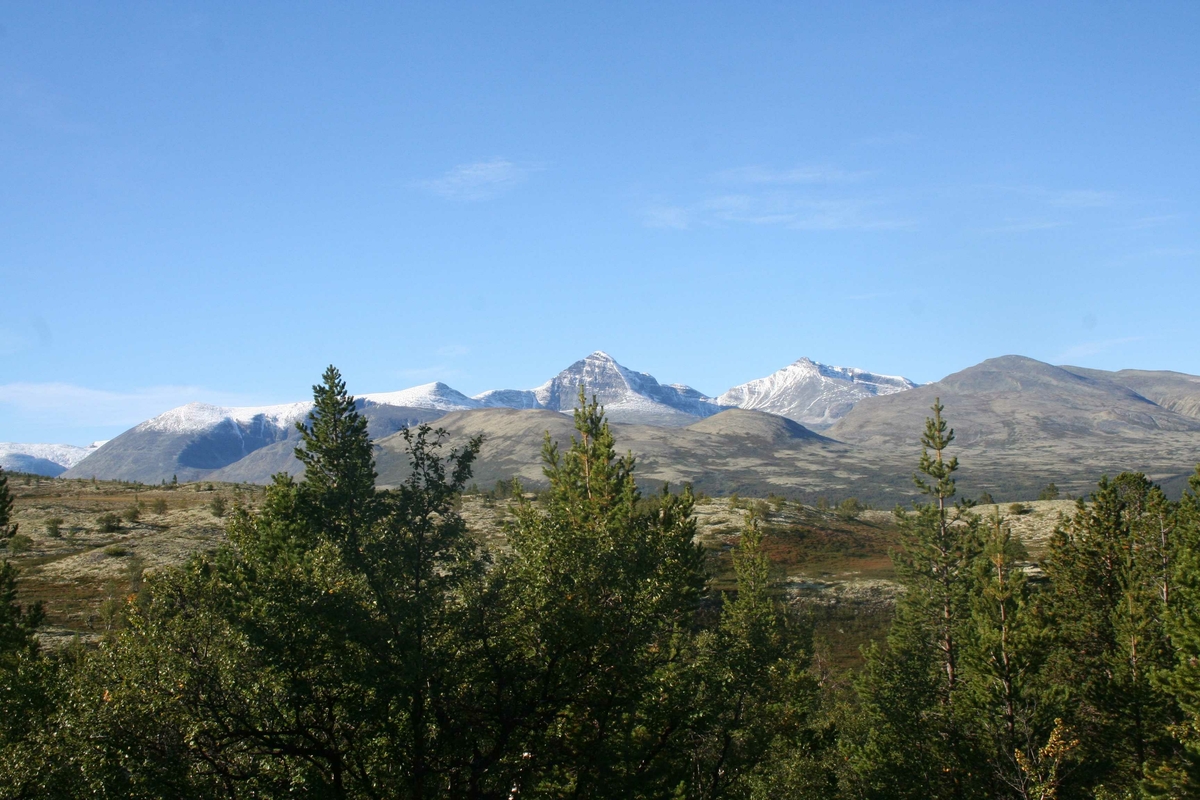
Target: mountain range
{"x": 806, "y": 430}
{"x": 198, "y": 440}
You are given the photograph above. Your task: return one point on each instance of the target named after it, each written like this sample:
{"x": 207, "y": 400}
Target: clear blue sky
{"x": 214, "y": 201}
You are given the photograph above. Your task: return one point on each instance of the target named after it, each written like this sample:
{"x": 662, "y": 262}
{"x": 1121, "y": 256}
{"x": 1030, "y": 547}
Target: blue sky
{"x": 214, "y": 201}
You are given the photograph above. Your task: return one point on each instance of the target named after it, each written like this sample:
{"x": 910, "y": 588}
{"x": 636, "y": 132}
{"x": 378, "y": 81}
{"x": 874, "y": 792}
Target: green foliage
{"x": 132, "y": 513}
{"x": 849, "y": 509}
{"x": 54, "y": 527}
{"x": 1018, "y": 509}
{"x": 19, "y": 543}
{"x": 1111, "y": 568}
{"x": 218, "y": 506}
{"x": 913, "y": 688}
{"x": 158, "y": 506}
{"x": 985, "y": 499}
{"x": 1050, "y": 492}
{"x": 8, "y": 528}
{"x": 108, "y": 522}
{"x": 116, "y": 551}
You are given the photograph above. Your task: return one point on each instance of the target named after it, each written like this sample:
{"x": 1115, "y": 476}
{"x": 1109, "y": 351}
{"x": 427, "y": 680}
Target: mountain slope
{"x": 627, "y": 396}
{"x": 1011, "y": 399}
{"x": 811, "y": 393}
{"x": 200, "y": 441}
{"x": 736, "y": 450}
{"x": 43, "y": 459}
{"x": 1176, "y": 391}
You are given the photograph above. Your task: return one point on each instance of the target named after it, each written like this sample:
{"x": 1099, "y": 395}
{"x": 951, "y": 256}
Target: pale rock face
{"x": 813, "y": 394}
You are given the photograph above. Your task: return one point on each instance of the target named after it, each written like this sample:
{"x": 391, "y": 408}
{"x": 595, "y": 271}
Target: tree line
{"x": 353, "y": 642}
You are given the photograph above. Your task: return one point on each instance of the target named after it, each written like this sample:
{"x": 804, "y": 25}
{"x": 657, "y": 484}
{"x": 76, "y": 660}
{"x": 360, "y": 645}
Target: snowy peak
{"x": 435, "y": 395}
{"x": 199, "y": 417}
{"x": 43, "y": 459}
{"x": 626, "y": 395}
{"x": 811, "y": 393}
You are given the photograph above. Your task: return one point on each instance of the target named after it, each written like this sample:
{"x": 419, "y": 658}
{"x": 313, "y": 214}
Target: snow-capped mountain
{"x": 43, "y": 459}
{"x": 627, "y": 396}
{"x": 199, "y": 440}
{"x": 195, "y": 417}
{"x": 815, "y": 395}
{"x": 437, "y": 396}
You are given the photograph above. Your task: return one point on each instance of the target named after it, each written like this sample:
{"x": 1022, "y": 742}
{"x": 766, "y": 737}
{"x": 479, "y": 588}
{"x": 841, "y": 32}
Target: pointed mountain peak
{"x": 812, "y": 393}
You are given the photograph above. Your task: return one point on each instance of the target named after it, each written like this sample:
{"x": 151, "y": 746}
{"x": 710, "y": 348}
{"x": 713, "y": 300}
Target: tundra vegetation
{"x": 351, "y": 641}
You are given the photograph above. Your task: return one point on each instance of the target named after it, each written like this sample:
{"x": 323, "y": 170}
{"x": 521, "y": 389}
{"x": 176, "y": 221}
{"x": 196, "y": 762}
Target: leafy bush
{"x": 20, "y": 543}
{"x": 1049, "y": 493}
{"x": 159, "y": 506}
{"x": 217, "y": 506}
{"x": 108, "y": 523}
{"x": 985, "y": 499}
{"x": 849, "y": 509}
{"x": 132, "y": 514}
{"x": 1017, "y": 509}
{"x": 54, "y": 527}
{"x": 115, "y": 551}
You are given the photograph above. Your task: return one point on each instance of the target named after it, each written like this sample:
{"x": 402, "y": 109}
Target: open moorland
{"x": 92, "y": 543}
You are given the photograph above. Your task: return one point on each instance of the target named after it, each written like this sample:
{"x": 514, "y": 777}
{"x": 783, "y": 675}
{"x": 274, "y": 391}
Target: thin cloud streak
{"x": 79, "y": 405}
{"x": 1087, "y": 349}
{"x": 481, "y": 180}
{"x": 796, "y": 175}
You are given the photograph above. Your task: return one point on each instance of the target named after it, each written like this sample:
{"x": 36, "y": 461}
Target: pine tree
{"x": 1112, "y": 572}
{"x": 602, "y": 590}
{"x": 339, "y": 463}
{"x": 1009, "y": 713}
{"x": 911, "y": 687}
{"x": 1179, "y": 774}
{"x": 8, "y": 528}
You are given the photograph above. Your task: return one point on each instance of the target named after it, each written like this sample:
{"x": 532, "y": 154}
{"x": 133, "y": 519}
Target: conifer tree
{"x": 911, "y": 687}
{"x": 604, "y": 592}
{"x": 1008, "y": 712}
{"x": 1111, "y": 575}
{"x": 1179, "y": 774}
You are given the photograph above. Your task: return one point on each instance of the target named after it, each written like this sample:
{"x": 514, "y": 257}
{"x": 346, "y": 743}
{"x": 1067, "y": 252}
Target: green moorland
{"x": 328, "y": 638}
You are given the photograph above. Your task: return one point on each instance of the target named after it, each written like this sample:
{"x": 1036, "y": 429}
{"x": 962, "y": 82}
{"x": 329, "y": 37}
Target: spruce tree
{"x": 1008, "y": 712}
{"x": 1179, "y": 774}
{"x": 911, "y": 686}
{"x": 1111, "y": 568}
{"x": 603, "y": 589}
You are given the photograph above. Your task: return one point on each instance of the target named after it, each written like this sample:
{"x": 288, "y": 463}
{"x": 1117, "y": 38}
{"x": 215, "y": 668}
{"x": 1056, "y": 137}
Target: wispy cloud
{"x": 69, "y": 404}
{"x": 1153, "y": 222}
{"x": 1087, "y": 349}
{"x": 1026, "y": 226}
{"x": 436, "y": 372}
{"x": 811, "y": 198}
{"x": 883, "y": 139}
{"x": 1063, "y": 198}
{"x": 799, "y": 212}
{"x": 481, "y": 180}
{"x": 792, "y": 176}
{"x": 666, "y": 217}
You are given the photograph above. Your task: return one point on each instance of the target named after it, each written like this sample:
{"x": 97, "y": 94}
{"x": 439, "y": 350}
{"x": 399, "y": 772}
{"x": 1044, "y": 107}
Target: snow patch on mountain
{"x": 435, "y": 395}
{"x": 65, "y": 455}
{"x": 811, "y": 393}
{"x": 620, "y": 389}
{"x": 508, "y": 398}
{"x": 198, "y": 417}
